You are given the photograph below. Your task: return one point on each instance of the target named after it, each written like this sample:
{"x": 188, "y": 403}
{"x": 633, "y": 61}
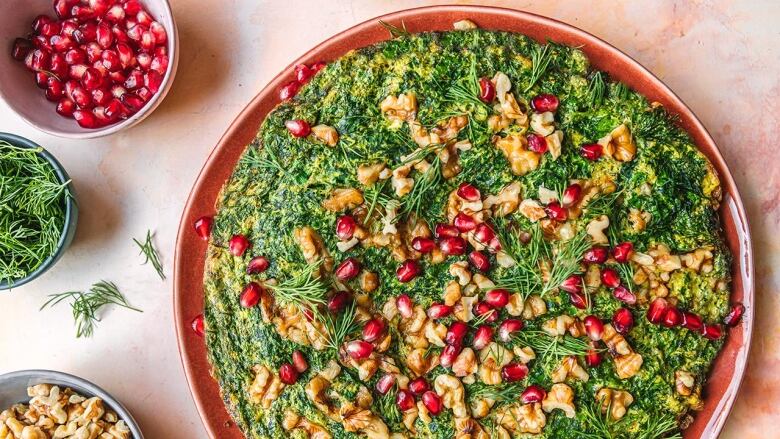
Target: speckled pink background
{"x": 722, "y": 57}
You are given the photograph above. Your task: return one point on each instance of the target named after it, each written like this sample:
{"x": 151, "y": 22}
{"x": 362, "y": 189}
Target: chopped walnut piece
{"x": 464, "y": 24}
{"x": 492, "y": 358}
{"x": 596, "y": 228}
{"x": 369, "y": 281}
{"x": 559, "y": 325}
{"x": 619, "y": 144}
{"x": 615, "y": 342}
{"x": 569, "y": 368}
{"x": 266, "y": 386}
{"x": 554, "y": 143}
{"x": 534, "y": 307}
{"x": 480, "y": 407}
{"x": 521, "y": 160}
{"x": 326, "y": 134}
{"x": 627, "y": 366}
{"x": 684, "y": 382}
{"x": 342, "y": 199}
{"x": 402, "y": 184}
{"x": 522, "y": 418}
{"x": 638, "y": 219}
{"x": 420, "y": 361}
{"x": 515, "y": 305}
{"x": 532, "y": 210}
{"x": 369, "y": 174}
{"x": 560, "y": 397}
{"x": 452, "y": 293}
{"x": 542, "y": 123}
{"x": 465, "y": 363}
{"x": 698, "y": 260}
{"x": 505, "y": 201}
{"x": 524, "y": 354}
{"x": 400, "y": 108}
{"x": 616, "y": 401}
{"x": 452, "y": 394}
{"x": 460, "y": 270}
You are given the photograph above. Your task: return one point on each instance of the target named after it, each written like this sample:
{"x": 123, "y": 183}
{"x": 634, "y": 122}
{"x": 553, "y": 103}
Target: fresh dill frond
{"x": 597, "y": 89}
{"x": 626, "y": 272}
{"x": 337, "y": 328}
{"x": 395, "y": 31}
{"x": 148, "y": 250}
{"x": 373, "y": 196}
{"x": 501, "y": 393}
{"x": 661, "y": 426}
{"x": 599, "y": 425}
{"x": 414, "y": 201}
{"x": 620, "y": 91}
{"x": 602, "y": 205}
{"x": 566, "y": 260}
{"x": 266, "y": 159}
{"x": 86, "y": 306}
{"x": 541, "y": 56}
{"x": 304, "y": 290}
{"x": 550, "y": 349}
{"x": 525, "y": 275}
{"x": 466, "y": 91}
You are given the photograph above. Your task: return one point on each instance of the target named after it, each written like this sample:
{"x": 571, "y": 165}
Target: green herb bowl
{"x": 71, "y": 213}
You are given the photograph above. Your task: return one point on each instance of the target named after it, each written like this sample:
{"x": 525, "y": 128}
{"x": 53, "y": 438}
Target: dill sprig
{"x": 466, "y": 90}
{"x": 148, "y": 250}
{"x": 602, "y": 205}
{"x": 596, "y": 89}
{"x": 541, "y": 56}
{"x": 600, "y": 425}
{"x": 337, "y": 328}
{"x": 304, "y": 290}
{"x": 269, "y": 162}
{"x": 566, "y": 260}
{"x": 525, "y": 276}
{"x": 661, "y": 426}
{"x": 413, "y": 202}
{"x": 32, "y": 210}
{"x": 86, "y": 306}
{"x": 395, "y": 31}
{"x": 626, "y": 272}
{"x": 549, "y": 348}
{"x": 501, "y": 393}
{"x": 373, "y": 195}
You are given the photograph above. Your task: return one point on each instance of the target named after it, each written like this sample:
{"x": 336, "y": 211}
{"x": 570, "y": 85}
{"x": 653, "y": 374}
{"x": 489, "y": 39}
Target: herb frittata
{"x": 466, "y": 234}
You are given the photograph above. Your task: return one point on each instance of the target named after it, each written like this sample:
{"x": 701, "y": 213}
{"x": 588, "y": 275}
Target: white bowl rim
{"x": 173, "y": 54}
{"x": 80, "y": 385}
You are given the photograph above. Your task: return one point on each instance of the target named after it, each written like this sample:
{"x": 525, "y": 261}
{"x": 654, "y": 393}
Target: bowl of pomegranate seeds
{"x": 86, "y": 68}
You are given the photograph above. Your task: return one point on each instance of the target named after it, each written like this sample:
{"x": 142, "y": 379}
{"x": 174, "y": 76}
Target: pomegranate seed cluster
{"x": 100, "y": 61}
{"x": 495, "y": 264}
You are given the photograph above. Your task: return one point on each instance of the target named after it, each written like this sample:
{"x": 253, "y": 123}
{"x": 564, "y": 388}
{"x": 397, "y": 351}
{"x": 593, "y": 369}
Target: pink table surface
{"x": 722, "y": 57}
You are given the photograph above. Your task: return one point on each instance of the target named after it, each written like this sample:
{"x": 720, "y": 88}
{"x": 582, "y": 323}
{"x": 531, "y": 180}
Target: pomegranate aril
{"x": 159, "y": 64}
{"x": 82, "y": 97}
{"x": 405, "y": 306}
{"x": 238, "y": 245}
{"x": 404, "y": 400}
{"x": 508, "y": 327}
{"x": 596, "y": 255}
{"x": 125, "y": 54}
{"x": 75, "y": 56}
{"x": 544, "y": 102}
{"x": 479, "y": 260}
{"x": 136, "y": 32}
{"x": 144, "y": 61}
{"x": 115, "y": 13}
{"x": 623, "y": 320}
{"x": 21, "y": 48}
{"x": 497, "y": 298}
{"x": 446, "y": 231}
{"x": 572, "y": 284}
{"x": 514, "y": 372}
{"x": 455, "y": 333}
{"x": 132, "y": 102}
{"x": 120, "y": 36}
{"x": 62, "y": 8}
{"x": 298, "y": 127}
{"x": 536, "y": 143}
{"x": 483, "y": 337}
{"x": 132, "y": 7}
{"x": 41, "y": 42}
{"x": 288, "y": 374}
{"x": 591, "y": 151}
{"x": 571, "y": 195}
{"x": 316, "y": 67}
{"x": 453, "y": 246}
{"x": 59, "y": 66}
{"x": 303, "y": 73}
{"x": 593, "y": 357}
{"x": 338, "y": 302}
{"x": 82, "y": 12}
{"x": 359, "y": 349}
{"x": 54, "y": 90}
{"x": 555, "y": 211}
{"x": 91, "y": 79}
{"x": 117, "y": 91}
{"x": 712, "y": 332}
{"x": 439, "y": 311}
{"x": 487, "y": 91}
{"x": 691, "y": 321}
{"x": 418, "y": 386}
{"x": 407, "y": 271}
{"x": 203, "y": 226}
{"x": 373, "y": 330}
{"x": 448, "y": 355}
{"x": 251, "y": 295}
{"x": 115, "y": 110}
{"x": 94, "y": 52}
{"x": 657, "y": 310}
{"x": 41, "y": 59}
{"x": 99, "y": 6}
{"x": 143, "y": 18}
{"x": 153, "y": 81}
{"x": 77, "y": 71}
{"x": 256, "y": 265}
{"x": 533, "y": 394}
{"x": 469, "y": 192}
{"x": 100, "y": 115}
{"x": 423, "y": 245}
{"x": 148, "y": 41}
{"x": 483, "y": 308}
{"x": 65, "y": 107}
{"x": 40, "y": 21}
{"x": 384, "y": 384}
{"x": 41, "y": 79}
{"x": 578, "y": 300}
{"x": 672, "y": 317}
{"x": 198, "y": 325}
{"x": 610, "y": 277}
{"x": 734, "y": 315}
{"x": 158, "y": 30}
{"x": 50, "y": 29}
{"x": 622, "y": 252}
{"x": 464, "y": 222}
{"x": 69, "y": 26}
{"x": 594, "y": 327}
{"x": 289, "y": 90}
{"x": 624, "y": 295}
{"x": 345, "y": 227}
{"x": 432, "y": 402}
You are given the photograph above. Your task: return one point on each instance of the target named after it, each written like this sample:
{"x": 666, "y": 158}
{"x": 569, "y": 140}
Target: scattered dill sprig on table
{"x": 32, "y": 210}
{"x": 540, "y": 61}
{"x": 148, "y": 250}
{"x": 86, "y": 306}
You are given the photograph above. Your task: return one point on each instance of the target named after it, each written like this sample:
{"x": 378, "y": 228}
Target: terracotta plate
{"x": 729, "y": 367}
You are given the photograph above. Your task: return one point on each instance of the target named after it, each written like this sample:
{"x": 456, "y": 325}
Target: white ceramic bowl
{"x": 13, "y": 390}
{"x": 17, "y": 86}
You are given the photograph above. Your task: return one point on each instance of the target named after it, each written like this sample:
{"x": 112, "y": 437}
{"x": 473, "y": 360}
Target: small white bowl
{"x": 17, "y": 85}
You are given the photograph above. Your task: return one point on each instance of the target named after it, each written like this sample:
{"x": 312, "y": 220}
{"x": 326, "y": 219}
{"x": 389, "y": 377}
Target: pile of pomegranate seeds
{"x": 101, "y": 61}
{"x": 661, "y": 312}
{"x": 303, "y": 74}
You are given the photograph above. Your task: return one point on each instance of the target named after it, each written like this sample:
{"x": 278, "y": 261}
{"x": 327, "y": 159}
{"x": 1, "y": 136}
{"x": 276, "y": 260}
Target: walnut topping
{"x": 524, "y": 354}
{"x": 265, "y": 387}
{"x": 684, "y": 382}
{"x": 619, "y": 144}
{"x": 522, "y": 418}
{"x": 326, "y": 134}
{"x": 369, "y": 281}
{"x": 312, "y": 246}
{"x": 292, "y": 324}
{"x": 569, "y": 368}
{"x": 492, "y": 358}
{"x": 615, "y": 342}
{"x": 452, "y": 394}
{"x": 554, "y": 143}
{"x": 698, "y": 260}
{"x": 369, "y": 174}
{"x": 532, "y": 210}
{"x": 480, "y": 407}
{"x": 627, "y": 366}
{"x": 616, "y": 401}
{"x": 595, "y": 229}
{"x": 521, "y": 160}
{"x": 560, "y": 325}
{"x": 534, "y": 307}
{"x": 464, "y": 24}
{"x": 461, "y": 271}
{"x": 452, "y": 293}
{"x": 506, "y": 201}
{"x": 400, "y": 108}
{"x": 560, "y": 397}
{"x": 342, "y": 199}
{"x": 420, "y": 361}
{"x": 465, "y": 363}
{"x": 638, "y": 219}
{"x": 542, "y": 123}
{"x": 292, "y": 421}
{"x": 515, "y": 305}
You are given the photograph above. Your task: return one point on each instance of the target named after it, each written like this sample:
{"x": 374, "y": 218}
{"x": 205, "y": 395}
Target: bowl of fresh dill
{"x": 38, "y": 211}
